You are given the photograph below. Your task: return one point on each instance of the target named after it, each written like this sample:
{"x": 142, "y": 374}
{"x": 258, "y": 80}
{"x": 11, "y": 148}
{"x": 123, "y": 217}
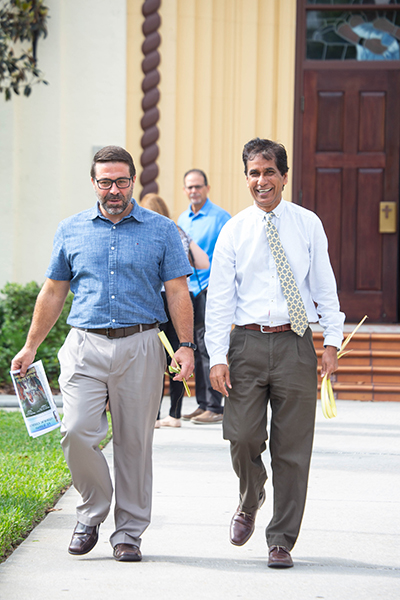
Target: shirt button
{"x": 112, "y": 272}
{"x": 112, "y": 297}
{"x": 113, "y": 226}
{"x": 112, "y": 248}
{"x": 113, "y": 320}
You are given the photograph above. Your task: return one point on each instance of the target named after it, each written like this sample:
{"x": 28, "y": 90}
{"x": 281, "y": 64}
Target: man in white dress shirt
{"x": 268, "y": 361}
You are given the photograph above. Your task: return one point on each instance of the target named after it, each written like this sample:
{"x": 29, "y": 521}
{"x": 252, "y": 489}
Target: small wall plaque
{"x": 387, "y": 217}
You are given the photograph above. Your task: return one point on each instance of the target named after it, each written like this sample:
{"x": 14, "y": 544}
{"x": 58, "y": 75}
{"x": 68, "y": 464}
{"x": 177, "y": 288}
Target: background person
{"x": 157, "y": 204}
{"x": 270, "y": 265}
{"x": 203, "y": 221}
{"x": 115, "y": 257}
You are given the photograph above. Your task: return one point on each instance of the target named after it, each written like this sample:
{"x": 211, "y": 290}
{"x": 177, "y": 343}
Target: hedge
{"x": 16, "y": 307}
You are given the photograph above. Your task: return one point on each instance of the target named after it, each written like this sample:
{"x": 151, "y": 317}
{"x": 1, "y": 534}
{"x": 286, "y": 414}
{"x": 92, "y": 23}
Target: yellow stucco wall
{"x": 227, "y": 75}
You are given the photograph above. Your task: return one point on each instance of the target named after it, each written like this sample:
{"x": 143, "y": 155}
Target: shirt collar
{"x": 136, "y": 213}
{"x": 278, "y": 210}
{"x": 205, "y": 209}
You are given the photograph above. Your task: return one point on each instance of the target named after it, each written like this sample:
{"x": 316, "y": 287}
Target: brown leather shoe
{"x": 127, "y": 553}
{"x": 195, "y": 413}
{"x": 279, "y": 558}
{"x": 243, "y": 524}
{"x": 83, "y": 539}
{"x": 207, "y": 417}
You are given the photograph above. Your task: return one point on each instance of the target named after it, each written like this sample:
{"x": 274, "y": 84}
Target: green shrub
{"x": 16, "y": 308}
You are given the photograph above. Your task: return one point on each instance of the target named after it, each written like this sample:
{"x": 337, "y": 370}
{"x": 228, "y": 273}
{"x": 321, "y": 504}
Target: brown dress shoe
{"x": 127, "y": 553}
{"x": 243, "y": 524}
{"x": 207, "y": 417}
{"x": 83, "y": 539}
{"x": 279, "y": 558}
{"x": 195, "y": 413}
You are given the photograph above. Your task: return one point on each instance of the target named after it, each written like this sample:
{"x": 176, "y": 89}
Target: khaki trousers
{"x": 129, "y": 373}
{"x": 279, "y": 370}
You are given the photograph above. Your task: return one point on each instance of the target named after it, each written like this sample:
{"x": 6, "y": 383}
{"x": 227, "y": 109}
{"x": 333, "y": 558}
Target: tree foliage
{"x": 22, "y": 23}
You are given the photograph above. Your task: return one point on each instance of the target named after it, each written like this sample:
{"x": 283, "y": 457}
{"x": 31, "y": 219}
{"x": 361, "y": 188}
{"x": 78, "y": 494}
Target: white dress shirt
{"x": 244, "y": 285}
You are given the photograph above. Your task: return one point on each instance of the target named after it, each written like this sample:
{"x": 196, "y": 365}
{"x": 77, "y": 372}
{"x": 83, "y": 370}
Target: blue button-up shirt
{"x": 116, "y": 270}
{"x": 204, "y": 227}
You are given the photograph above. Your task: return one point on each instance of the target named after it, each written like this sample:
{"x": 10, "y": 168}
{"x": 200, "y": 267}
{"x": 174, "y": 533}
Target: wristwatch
{"x": 188, "y": 345}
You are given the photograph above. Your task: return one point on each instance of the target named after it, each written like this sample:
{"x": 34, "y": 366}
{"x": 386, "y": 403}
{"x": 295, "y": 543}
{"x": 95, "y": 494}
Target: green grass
{"x": 33, "y": 475}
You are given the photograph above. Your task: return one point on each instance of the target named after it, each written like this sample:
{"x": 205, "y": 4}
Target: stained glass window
{"x": 352, "y": 34}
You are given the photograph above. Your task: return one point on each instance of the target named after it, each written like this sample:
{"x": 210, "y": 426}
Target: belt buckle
{"x": 262, "y": 329}
{"x": 110, "y": 332}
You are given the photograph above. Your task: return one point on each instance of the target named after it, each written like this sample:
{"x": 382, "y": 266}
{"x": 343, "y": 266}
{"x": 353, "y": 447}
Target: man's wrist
{"x": 328, "y": 346}
{"x": 188, "y": 345}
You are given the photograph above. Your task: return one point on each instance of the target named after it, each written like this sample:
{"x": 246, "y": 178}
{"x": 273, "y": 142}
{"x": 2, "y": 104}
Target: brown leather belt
{"x": 122, "y": 331}
{"x": 265, "y": 328}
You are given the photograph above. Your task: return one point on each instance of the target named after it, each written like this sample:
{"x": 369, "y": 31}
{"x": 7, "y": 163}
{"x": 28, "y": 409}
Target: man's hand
{"x": 329, "y": 361}
{"x": 220, "y": 379}
{"x": 22, "y": 360}
{"x": 184, "y": 357}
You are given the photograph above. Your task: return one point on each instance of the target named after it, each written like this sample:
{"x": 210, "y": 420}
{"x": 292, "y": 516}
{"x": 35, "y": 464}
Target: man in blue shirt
{"x": 115, "y": 257}
{"x": 203, "y": 221}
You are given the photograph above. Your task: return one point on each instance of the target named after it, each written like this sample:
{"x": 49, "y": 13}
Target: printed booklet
{"x": 36, "y": 400}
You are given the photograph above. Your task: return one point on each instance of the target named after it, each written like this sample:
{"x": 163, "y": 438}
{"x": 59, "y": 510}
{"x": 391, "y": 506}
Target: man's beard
{"x": 115, "y": 210}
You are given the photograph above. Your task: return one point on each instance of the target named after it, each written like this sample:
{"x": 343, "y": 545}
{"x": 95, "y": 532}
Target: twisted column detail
{"x": 151, "y": 96}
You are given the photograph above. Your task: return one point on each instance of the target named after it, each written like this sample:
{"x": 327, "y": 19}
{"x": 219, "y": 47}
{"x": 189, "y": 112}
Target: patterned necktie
{"x": 297, "y": 312}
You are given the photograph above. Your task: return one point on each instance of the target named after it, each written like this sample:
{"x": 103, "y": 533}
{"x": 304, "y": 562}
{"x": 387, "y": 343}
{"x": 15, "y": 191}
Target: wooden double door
{"x": 350, "y": 178}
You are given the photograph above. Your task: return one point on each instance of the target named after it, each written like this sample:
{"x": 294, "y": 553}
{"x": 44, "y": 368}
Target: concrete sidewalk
{"x": 349, "y": 546}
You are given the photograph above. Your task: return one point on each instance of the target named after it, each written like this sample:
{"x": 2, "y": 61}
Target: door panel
{"x": 328, "y": 191}
{"x": 330, "y": 131}
{"x": 372, "y": 110}
{"x": 350, "y": 163}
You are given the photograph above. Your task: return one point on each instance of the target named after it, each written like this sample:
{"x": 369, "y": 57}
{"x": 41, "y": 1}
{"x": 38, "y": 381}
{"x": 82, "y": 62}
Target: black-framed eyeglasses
{"x": 121, "y": 183}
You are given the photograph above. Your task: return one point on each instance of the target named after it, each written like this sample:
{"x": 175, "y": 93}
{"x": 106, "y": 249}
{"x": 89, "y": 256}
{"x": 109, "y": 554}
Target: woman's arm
{"x": 201, "y": 260}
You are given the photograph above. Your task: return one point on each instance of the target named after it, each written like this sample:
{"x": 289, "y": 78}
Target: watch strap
{"x": 188, "y": 345}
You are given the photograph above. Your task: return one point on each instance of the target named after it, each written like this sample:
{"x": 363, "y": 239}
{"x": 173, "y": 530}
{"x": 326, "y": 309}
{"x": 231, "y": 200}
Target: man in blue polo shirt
{"x": 114, "y": 257}
{"x": 203, "y": 221}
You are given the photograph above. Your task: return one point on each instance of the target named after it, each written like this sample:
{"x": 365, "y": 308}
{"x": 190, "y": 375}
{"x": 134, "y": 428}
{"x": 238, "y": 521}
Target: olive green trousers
{"x": 274, "y": 388}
